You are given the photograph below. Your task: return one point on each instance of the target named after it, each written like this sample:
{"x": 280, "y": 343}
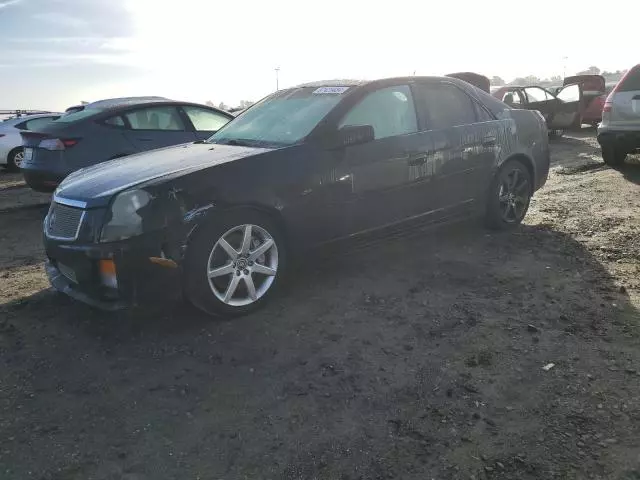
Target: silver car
{"x": 619, "y": 132}
{"x": 11, "y": 152}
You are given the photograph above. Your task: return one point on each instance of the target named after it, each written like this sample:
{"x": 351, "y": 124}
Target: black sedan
{"x": 218, "y": 220}
{"x": 109, "y": 129}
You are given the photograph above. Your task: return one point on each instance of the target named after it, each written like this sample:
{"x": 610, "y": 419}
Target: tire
{"x": 613, "y": 156}
{"x": 207, "y": 253}
{"x": 14, "y": 159}
{"x": 509, "y": 196}
{"x": 577, "y": 124}
{"x": 556, "y": 133}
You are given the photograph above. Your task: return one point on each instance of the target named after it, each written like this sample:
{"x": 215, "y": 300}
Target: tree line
{"x": 556, "y": 80}
{"x": 223, "y": 106}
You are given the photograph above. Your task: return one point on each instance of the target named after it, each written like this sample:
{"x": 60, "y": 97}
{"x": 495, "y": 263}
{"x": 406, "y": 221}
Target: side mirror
{"x": 351, "y": 135}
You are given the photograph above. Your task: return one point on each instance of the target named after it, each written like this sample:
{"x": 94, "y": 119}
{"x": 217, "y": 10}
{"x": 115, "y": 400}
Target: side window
{"x": 481, "y": 113}
{"x": 536, "y": 95}
{"x": 115, "y": 121}
{"x": 512, "y": 97}
{"x": 156, "y": 118}
{"x": 631, "y": 81}
{"x": 205, "y": 120}
{"x": 570, "y": 93}
{"x": 444, "y": 105}
{"x": 38, "y": 122}
{"x": 390, "y": 111}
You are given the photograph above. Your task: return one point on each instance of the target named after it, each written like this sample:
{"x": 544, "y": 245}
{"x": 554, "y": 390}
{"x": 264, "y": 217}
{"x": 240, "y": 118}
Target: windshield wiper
{"x": 240, "y": 142}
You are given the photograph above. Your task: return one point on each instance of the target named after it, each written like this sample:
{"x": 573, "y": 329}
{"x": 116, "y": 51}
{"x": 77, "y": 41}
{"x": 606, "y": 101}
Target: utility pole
{"x": 564, "y": 67}
{"x": 277, "y": 69}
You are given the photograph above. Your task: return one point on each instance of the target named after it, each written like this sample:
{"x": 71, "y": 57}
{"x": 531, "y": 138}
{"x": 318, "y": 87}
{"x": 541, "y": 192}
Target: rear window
{"x": 631, "y": 80}
{"x": 75, "y": 116}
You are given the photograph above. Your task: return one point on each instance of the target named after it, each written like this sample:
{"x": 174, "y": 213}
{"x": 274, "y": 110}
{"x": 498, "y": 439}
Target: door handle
{"x": 418, "y": 159}
{"x": 489, "y": 142}
{"x": 145, "y": 139}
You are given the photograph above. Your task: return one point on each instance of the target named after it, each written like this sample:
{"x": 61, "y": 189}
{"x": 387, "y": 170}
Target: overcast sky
{"x": 55, "y": 53}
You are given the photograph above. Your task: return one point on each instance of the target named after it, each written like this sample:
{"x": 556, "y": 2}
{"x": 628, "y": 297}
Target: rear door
{"x": 464, "y": 138}
{"x": 155, "y": 127}
{"x": 205, "y": 122}
{"x": 567, "y": 107}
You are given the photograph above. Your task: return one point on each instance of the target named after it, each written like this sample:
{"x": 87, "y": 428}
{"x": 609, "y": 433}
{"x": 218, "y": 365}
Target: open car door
{"x": 567, "y": 108}
{"x": 591, "y": 85}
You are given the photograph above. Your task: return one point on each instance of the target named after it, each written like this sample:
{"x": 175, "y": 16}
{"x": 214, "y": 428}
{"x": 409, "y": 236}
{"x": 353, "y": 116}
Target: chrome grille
{"x": 63, "y": 222}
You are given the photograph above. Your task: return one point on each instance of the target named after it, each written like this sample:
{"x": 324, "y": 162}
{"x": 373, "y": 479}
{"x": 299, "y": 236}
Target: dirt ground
{"x": 418, "y": 358}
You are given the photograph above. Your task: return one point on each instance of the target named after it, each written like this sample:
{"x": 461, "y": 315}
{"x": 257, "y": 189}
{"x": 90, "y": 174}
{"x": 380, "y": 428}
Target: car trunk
{"x": 591, "y": 85}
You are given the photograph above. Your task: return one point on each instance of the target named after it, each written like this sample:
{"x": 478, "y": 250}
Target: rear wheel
{"x": 235, "y": 265}
{"x": 612, "y": 155}
{"x": 15, "y": 159}
{"x": 509, "y": 196}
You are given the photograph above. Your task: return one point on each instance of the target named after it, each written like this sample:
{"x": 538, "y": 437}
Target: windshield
{"x": 282, "y": 119}
{"x": 74, "y": 116}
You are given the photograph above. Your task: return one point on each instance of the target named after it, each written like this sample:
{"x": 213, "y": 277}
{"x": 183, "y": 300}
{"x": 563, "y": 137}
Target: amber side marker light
{"x": 164, "y": 262}
{"x": 108, "y": 273}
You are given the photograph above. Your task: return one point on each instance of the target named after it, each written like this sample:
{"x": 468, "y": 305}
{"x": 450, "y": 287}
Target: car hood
{"x": 97, "y": 184}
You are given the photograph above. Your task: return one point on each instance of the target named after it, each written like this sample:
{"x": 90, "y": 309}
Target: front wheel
{"x": 509, "y": 196}
{"x": 235, "y": 265}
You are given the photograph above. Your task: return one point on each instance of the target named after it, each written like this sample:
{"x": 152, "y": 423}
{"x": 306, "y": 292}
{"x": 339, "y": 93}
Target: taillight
{"x": 57, "y": 143}
{"x": 607, "y": 106}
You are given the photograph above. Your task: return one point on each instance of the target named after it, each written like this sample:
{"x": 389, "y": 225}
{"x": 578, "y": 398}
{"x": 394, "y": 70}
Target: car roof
{"x": 123, "y": 101}
{"x": 114, "y": 105}
{"x": 357, "y": 83}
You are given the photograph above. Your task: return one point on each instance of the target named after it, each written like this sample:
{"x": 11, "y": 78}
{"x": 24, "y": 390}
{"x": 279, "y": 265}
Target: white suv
{"x": 619, "y": 132}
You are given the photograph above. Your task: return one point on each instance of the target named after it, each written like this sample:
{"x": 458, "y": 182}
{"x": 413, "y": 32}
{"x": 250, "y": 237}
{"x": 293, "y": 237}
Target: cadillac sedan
{"x": 217, "y": 221}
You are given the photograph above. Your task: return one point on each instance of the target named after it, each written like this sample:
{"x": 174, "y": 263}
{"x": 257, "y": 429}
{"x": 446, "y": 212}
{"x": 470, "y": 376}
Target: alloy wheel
{"x": 514, "y": 196}
{"x": 18, "y": 158}
{"x": 242, "y": 265}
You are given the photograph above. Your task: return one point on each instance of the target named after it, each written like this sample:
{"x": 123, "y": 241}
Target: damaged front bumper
{"x": 140, "y": 273}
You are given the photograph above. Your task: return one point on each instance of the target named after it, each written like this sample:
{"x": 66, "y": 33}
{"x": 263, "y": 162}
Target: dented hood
{"x": 96, "y": 185}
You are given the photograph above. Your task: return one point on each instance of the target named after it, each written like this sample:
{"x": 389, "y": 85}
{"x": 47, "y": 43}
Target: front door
{"x": 148, "y": 128}
{"x": 379, "y": 171}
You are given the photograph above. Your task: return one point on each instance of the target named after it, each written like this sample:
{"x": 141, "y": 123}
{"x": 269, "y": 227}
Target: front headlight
{"x": 124, "y": 219}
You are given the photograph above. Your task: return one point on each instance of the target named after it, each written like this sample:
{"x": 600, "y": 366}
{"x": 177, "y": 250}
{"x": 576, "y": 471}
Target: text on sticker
{"x": 334, "y": 90}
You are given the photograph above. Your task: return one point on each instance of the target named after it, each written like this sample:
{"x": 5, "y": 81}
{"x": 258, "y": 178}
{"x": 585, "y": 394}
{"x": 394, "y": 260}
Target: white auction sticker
{"x": 334, "y": 90}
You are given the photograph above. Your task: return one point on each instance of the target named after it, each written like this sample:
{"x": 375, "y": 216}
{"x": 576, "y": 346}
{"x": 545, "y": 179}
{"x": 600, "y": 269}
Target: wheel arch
{"x": 526, "y": 161}
{"x": 13, "y": 151}
{"x": 210, "y": 212}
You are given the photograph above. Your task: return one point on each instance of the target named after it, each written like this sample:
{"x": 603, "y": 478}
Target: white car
{"x": 11, "y": 154}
